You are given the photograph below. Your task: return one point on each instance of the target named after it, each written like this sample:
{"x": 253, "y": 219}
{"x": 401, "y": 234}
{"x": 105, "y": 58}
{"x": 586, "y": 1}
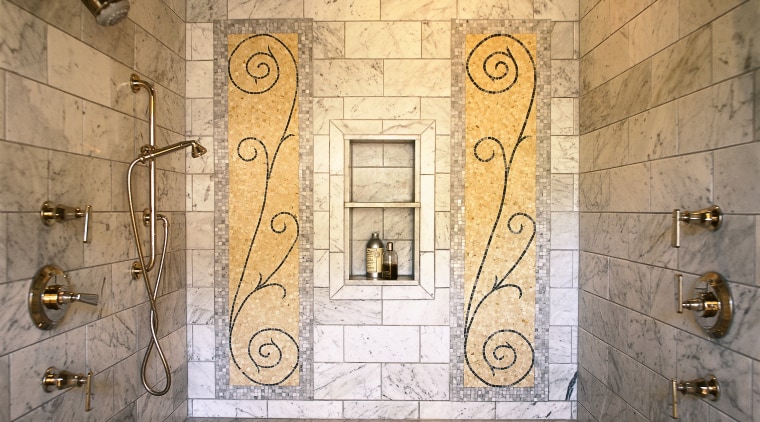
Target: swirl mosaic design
{"x": 264, "y": 228}
{"x": 500, "y": 209}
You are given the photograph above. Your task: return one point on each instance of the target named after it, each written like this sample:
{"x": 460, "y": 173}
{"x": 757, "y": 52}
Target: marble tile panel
{"x": 366, "y": 154}
{"x": 630, "y": 92}
{"x": 563, "y": 304}
{"x": 593, "y": 354}
{"x": 652, "y": 343}
{"x": 442, "y": 195}
{"x": 201, "y": 117}
{"x": 156, "y": 61}
{"x": 427, "y": 151}
{"x": 628, "y": 378}
{"x": 201, "y": 377}
{"x": 58, "y": 116}
{"x": 653, "y": 29}
{"x": 562, "y": 381}
{"x": 556, "y": 10}
{"x": 604, "y": 234}
{"x": 172, "y": 114}
{"x": 321, "y": 230}
{"x": 624, "y": 11}
{"x": 565, "y": 76}
{"x": 652, "y": 134}
{"x": 562, "y": 41}
{"x": 436, "y": 39}
{"x": 228, "y": 408}
{"x": 19, "y": 328}
{"x": 594, "y": 191}
{"x": 718, "y": 116}
{"x": 323, "y": 409}
{"x": 565, "y": 154}
{"x": 385, "y": 40}
{"x": 111, "y": 339}
{"x": 327, "y": 311}
{"x": 409, "y": 381}
{"x": 348, "y": 78}
{"x": 369, "y": 343}
{"x": 735, "y": 41}
{"x": 547, "y": 410}
{"x": 380, "y": 409}
{"x": 200, "y": 306}
{"x": 418, "y": 312}
{"x": 734, "y": 167}
{"x": 683, "y": 182}
{"x": 561, "y": 344}
{"x": 202, "y": 344}
{"x": 324, "y": 110}
{"x": 397, "y": 224}
{"x": 321, "y": 268}
{"x": 107, "y": 133}
{"x": 5, "y": 388}
{"x": 696, "y": 14}
{"x": 682, "y": 68}
{"x": 201, "y": 41}
{"x": 202, "y": 274}
{"x": 491, "y": 9}
{"x": 199, "y": 80}
{"x": 630, "y": 284}
{"x": 434, "y": 344}
{"x": 595, "y": 26}
{"x": 342, "y": 10}
{"x": 417, "y": 10}
{"x": 321, "y": 159}
{"x": 25, "y": 41}
{"x": 594, "y": 274}
{"x": 382, "y": 108}
{"x": 200, "y": 227}
{"x": 439, "y": 110}
{"x": 60, "y": 243}
{"x": 427, "y": 213}
{"x": 205, "y": 163}
{"x": 629, "y": 188}
{"x": 328, "y": 343}
{"x": 563, "y": 116}
{"x": 563, "y": 268}
{"x": 267, "y": 9}
{"x": 424, "y": 77}
{"x": 649, "y": 240}
{"x": 565, "y": 226}
{"x": 596, "y": 105}
{"x": 110, "y": 239}
{"x": 442, "y": 268}
{"x": 95, "y": 280}
{"x": 700, "y": 356}
{"x": 457, "y": 410}
{"x": 347, "y": 381}
{"x": 77, "y": 68}
{"x": 206, "y": 10}
{"x": 25, "y": 180}
{"x": 329, "y": 40}
{"x": 562, "y": 192}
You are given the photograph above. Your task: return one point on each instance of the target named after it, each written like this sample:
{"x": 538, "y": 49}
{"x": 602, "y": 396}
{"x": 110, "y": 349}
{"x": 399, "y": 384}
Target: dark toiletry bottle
{"x": 390, "y": 263}
{"x": 374, "y": 256}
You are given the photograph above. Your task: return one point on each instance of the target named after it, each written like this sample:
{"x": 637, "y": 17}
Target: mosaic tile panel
{"x": 514, "y": 334}
{"x": 264, "y": 124}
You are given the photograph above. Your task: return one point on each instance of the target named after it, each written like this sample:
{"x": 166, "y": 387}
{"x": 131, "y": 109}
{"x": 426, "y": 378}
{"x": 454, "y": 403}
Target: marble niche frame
{"x": 340, "y": 134}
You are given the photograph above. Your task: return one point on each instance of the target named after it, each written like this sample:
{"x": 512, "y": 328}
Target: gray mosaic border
{"x": 305, "y": 389}
{"x": 542, "y": 29}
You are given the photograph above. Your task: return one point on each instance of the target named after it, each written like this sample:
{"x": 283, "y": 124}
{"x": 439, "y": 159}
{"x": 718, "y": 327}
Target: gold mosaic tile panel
{"x": 263, "y": 209}
{"x": 500, "y": 210}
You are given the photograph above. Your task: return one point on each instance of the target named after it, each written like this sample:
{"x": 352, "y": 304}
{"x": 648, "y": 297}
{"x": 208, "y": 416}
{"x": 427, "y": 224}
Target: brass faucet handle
{"x": 51, "y": 212}
{"x": 61, "y": 380}
{"x": 710, "y": 218}
{"x": 57, "y": 295}
{"x": 708, "y": 387}
{"x": 712, "y": 303}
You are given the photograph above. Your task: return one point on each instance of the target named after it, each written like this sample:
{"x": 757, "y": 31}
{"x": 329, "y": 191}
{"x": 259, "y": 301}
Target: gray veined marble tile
{"x": 409, "y": 381}
{"x": 735, "y": 169}
{"x": 24, "y": 38}
{"x": 735, "y": 239}
{"x": 341, "y": 381}
{"x": 455, "y": 410}
{"x": 383, "y": 40}
{"x": 654, "y": 133}
{"x": 368, "y": 409}
{"x": 329, "y": 40}
{"x": 734, "y": 43}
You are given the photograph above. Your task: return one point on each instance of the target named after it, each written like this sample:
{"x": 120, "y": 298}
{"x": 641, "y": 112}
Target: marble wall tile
{"x": 595, "y": 26}
{"x": 205, "y": 163}
{"x": 400, "y": 40}
{"x": 699, "y": 13}
{"x": 59, "y": 244}
{"x": 58, "y": 116}
{"x": 201, "y": 117}
{"x": 25, "y": 38}
{"x": 683, "y": 182}
{"x": 594, "y": 191}
{"x": 416, "y": 10}
{"x": 418, "y": 312}
{"x": 413, "y": 77}
{"x": 734, "y": 167}
{"x": 203, "y": 192}
{"x": 3, "y": 249}
{"x": 269, "y": 9}
{"x": 328, "y": 311}
{"x": 563, "y": 116}
{"x": 200, "y": 306}
{"x": 718, "y": 116}
{"x": 321, "y": 268}
{"x": 328, "y": 343}
{"x": 630, "y": 284}
{"x": 342, "y": 10}
{"x": 442, "y": 195}
{"x": 682, "y": 68}
{"x": 25, "y": 181}
{"x": 5, "y": 388}
{"x": 593, "y": 354}
{"x": 382, "y": 108}
{"x": 653, "y": 133}
{"x": 201, "y": 41}
{"x": 629, "y": 188}
{"x": 563, "y": 304}
{"x": 562, "y": 41}
{"x": 228, "y": 408}
{"x": 107, "y": 133}
{"x": 199, "y": 79}
{"x": 565, "y": 227}
{"x": 649, "y": 240}
{"x": 201, "y": 376}
{"x": 455, "y": 410}
{"x": 202, "y": 345}
{"x": 627, "y": 378}
{"x": 325, "y": 110}
{"x": 381, "y": 344}
{"x": 347, "y": 381}
{"x": 563, "y": 269}
{"x": 437, "y": 109}
{"x": 304, "y": 409}
{"x": 608, "y": 60}
{"x": 604, "y": 234}
{"x": 442, "y": 268}
{"x": 436, "y": 39}
{"x": 630, "y": 93}
{"x": 111, "y": 339}
{"x": 556, "y": 10}
{"x": 492, "y": 9}
{"x": 200, "y": 226}
{"x": 594, "y": 274}
{"x": 598, "y": 104}
{"x": 535, "y": 410}
{"x": 561, "y": 344}
{"x": 77, "y": 68}
{"x": 329, "y": 40}
{"x": 565, "y": 154}
{"x": 653, "y": 29}
{"x": 562, "y": 381}
{"x": 756, "y": 392}
{"x": 735, "y": 46}
{"x": 434, "y": 344}
{"x": 562, "y": 192}
{"x": 408, "y": 381}
{"x": 380, "y": 410}
{"x": 346, "y": 78}
{"x": 19, "y": 328}
{"x": 202, "y": 274}
{"x": 622, "y": 11}
{"x": 605, "y": 404}
{"x": 159, "y": 63}
{"x": 565, "y": 78}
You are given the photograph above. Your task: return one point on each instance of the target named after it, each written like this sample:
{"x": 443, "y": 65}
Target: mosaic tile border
{"x": 305, "y": 389}
{"x": 542, "y": 29}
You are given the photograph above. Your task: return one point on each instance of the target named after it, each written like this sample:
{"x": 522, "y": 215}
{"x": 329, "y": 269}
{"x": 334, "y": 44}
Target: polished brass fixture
{"x": 50, "y": 296}
{"x": 712, "y": 303}
{"x": 703, "y": 387}
{"x": 51, "y": 212}
{"x": 710, "y": 218}
{"x": 62, "y": 380}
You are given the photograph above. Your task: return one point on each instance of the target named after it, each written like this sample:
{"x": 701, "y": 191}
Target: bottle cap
{"x": 389, "y": 246}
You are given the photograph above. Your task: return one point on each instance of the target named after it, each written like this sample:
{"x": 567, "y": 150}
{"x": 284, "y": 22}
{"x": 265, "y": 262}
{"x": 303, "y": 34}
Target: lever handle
{"x": 62, "y": 379}
{"x": 57, "y": 295}
{"x": 708, "y": 387}
{"x": 51, "y": 212}
{"x": 675, "y": 230}
{"x": 710, "y": 218}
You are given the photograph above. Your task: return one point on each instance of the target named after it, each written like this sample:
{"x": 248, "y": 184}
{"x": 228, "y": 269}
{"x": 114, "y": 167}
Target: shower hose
{"x": 152, "y": 292}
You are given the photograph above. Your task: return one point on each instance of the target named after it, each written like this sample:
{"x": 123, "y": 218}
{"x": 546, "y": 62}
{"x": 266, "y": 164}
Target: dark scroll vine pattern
{"x": 261, "y": 72}
{"x": 497, "y": 74}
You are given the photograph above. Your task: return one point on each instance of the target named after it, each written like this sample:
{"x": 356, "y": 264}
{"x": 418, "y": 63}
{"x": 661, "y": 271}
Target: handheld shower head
{"x": 108, "y": 12}
{"x": 197, "y": 149}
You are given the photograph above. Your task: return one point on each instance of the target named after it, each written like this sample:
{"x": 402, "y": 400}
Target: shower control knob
{"x": 51, "y": 212}
{"x": 712, "y": 304}
{"x": 50, "y": 296}
{"x": 709, "y": 218}
{"x": 708, "y": 387}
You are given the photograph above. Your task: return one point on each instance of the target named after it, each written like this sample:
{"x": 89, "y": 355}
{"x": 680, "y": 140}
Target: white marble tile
{"x": 202, "y": 274}
{"x": 492, "y": 9}
{"x": 25, "y": 185}
{"x": 324, "y": 110}
{"x": 19, "y": 329}
{"x": 305, "y": 409}
{"x": 380, "y": 409}
{"x": 690, "y": 59}
{"x": 565, "y": 77}
{"x": 327, "y": 311}
{"x": 199, "y": 81}
{"x": 347, "y": 381}
{"x": 535, "y": 410}
{"x": 111, "y": 339}
{"x": 201, "y": 384}
{"x": 427, "y": 213}
{"x": 734, "y": 40}
{"x": 202, "y": 344}
{"x": 442, "y": 195}
{"x": 563, "y": 116}
{"x": 436, "y": 39}
{"x": 381, "y": 344}
{"x": 681, "y": 182}
{"x": 203, "y": 192}
{"x": 434, "y": 344}
{"x": 378, "y": 184}
{"x": 454, "y": 410}
{"x": 733, "y": 168}
{"x": 408, "y": 381}
{"x": 329, "y": 40}
{"x": 205, "y": 163}
{"x": 102, "y": 123}
{"x": 382, "y": 108}
{"x": 418, "y": 312}
{"x": 228, "y": 408}
{"x": 562, "y": 382}
{"x": 201, "y": 41}
{"x": 439, "y": 110}
{"x": 556, "y": 10}
{"x": 442, "y": 268}
{"x": 201, "y": 117}
{"x": 562, "y": 191}
{"x": 629, "y": 188}
{"x": 328, "y": 343}
{"x": 321, "y": 230}
{"x": 321, "y": 268}
{"x": 560, "y": 344}
{"x": 346, "y": 78}
{"x": 416, "y": 10}
{"x": 24, "y": 38}
{"x": 654, "y": 133}
{"x": 442, "y": 154}
{"x": 267, "y": 9}
{"x": 336, "y": 214}
{"x": 563, "y": 307}
{"x": 77, "y": 68}
{"x": 653, "y": 29}
{"x": 562, "y": 41}
{"x": 200, "y": 306}
{"x": 427, "y": 152}
{"x": 160, "y": 64}
{"x": 424, "y": 77}
{"x": 200, "y": 230}
{"x": 564, "y": 230}
{"x": 400, "y": 40}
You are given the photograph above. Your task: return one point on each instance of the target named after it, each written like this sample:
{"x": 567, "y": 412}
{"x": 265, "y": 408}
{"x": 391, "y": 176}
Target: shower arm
{"x": 149, "y": 215}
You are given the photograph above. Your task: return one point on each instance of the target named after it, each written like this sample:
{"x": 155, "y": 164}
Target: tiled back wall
{"x": 374, "y": 61}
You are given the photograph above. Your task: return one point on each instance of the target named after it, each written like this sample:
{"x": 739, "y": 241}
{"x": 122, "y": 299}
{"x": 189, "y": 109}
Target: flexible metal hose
{"x": 152, "y": 292}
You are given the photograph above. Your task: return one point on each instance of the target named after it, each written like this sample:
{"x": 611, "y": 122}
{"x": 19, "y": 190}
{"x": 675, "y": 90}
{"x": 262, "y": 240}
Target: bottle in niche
{"x": 374, "y": 256}
{"x": 390, "y": 263}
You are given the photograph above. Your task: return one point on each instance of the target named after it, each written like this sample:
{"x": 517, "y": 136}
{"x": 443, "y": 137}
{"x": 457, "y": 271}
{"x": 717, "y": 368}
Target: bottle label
{"x": 374, "y": 260}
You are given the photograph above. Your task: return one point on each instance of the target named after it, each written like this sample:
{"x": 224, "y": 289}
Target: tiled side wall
{"x": 380, "y": 61}
{"x": 69, "y": 127}
{"x": 669, "y": 119}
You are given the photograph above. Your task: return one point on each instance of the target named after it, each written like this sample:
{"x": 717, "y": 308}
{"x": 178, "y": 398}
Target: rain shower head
{"x": 108, "y": 12}
{"x": 197, "y": 149}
